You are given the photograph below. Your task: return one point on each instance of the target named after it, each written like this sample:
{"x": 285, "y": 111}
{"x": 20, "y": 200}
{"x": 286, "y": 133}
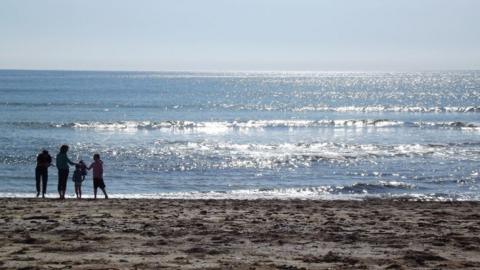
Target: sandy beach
{"x": 229, "y": 234}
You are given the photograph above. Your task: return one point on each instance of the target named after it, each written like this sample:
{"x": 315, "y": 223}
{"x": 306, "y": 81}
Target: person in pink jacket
{"x": 97, "y": 167}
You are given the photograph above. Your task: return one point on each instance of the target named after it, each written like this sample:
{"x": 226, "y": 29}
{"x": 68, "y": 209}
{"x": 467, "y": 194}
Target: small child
{"x": 97, "y": 167}
{"x": 78, "y": 179}
{"x": 84, "y": 168}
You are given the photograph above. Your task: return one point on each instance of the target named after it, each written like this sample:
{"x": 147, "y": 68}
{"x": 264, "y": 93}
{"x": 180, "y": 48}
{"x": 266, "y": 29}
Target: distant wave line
{"x": 247, "y": 124}
{"x": 256, "y": 107}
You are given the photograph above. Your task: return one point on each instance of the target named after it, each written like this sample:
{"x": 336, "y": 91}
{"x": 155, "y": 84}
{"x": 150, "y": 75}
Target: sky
{"x": 229, "y": 35}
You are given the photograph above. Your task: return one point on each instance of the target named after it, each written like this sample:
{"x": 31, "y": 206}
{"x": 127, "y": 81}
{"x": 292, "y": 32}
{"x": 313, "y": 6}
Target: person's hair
{"x": 44, "y": 151}
{"x": 96, "y": 156}
{"x": 64, "y": 148}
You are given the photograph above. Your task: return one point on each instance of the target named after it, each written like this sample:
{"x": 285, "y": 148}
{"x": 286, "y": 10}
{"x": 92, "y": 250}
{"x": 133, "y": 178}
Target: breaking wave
{"x": 419, "y": 109}
{"x": 250, "y": 124}
{"x": 356, "y": 191}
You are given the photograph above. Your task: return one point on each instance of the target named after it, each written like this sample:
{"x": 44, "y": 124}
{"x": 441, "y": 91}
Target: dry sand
{"x": 225, "y": 234}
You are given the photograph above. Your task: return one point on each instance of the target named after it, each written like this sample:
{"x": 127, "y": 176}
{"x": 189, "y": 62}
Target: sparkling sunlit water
{"x": 248, "y": 135}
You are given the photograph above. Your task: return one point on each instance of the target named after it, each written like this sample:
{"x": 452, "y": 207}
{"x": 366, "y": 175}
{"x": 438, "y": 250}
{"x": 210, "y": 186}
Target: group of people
{"x": 44, "y": 161}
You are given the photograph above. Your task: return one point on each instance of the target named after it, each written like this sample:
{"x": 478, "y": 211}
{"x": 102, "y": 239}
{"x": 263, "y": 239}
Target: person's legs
{"x": 37, "y": 180}
{"x": 62, "y": 182}
{"x": 96, "y": 185}
{"x": 65, "y": 184}
{"x": 99, "y": 183}
{"x": 79, "y": 192}
{"x": 44, "y": 181}
{"x": 104, "y": 192}
{"x": 59, "y": 186}
{"x": 61, "y": 189}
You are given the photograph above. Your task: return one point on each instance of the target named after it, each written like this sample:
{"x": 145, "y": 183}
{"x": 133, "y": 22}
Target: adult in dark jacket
{"x": 63, "y": 163}
{"x": 44, "y": 160}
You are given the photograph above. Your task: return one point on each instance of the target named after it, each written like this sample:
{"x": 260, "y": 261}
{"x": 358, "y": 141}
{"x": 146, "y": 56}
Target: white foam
{"x": 225, "y": 126}
{"x": 403, "y": 109}
{"x": 286, "y": 194}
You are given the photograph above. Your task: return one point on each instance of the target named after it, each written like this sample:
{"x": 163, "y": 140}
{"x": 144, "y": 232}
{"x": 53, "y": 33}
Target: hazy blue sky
{"x": 240, "y": 34}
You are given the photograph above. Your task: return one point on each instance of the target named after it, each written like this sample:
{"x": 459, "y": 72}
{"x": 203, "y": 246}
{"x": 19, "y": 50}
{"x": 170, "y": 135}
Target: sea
{"x": 247, "y": 135}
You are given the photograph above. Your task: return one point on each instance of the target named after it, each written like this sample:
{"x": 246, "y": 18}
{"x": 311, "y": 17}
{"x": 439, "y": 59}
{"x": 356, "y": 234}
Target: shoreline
{"x": 238, "y": 234}
{"x": 242, "y": 195}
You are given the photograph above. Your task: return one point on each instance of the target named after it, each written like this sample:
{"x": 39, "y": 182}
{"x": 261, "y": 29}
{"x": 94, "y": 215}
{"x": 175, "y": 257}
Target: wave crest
{"x": 248, "y": 124}
{"x": 356, "y": 191}
{"x": 403, "y": 109}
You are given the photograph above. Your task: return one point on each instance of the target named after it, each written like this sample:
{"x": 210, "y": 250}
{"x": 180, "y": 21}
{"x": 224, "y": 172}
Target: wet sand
{"x": 225, "y": 234}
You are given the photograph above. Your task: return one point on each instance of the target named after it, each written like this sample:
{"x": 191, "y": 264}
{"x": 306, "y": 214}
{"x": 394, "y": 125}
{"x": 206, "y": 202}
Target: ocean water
{"x": 312, "y": 135}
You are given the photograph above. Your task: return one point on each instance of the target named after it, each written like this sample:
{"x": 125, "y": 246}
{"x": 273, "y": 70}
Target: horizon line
{"x": 240, "y": 71}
